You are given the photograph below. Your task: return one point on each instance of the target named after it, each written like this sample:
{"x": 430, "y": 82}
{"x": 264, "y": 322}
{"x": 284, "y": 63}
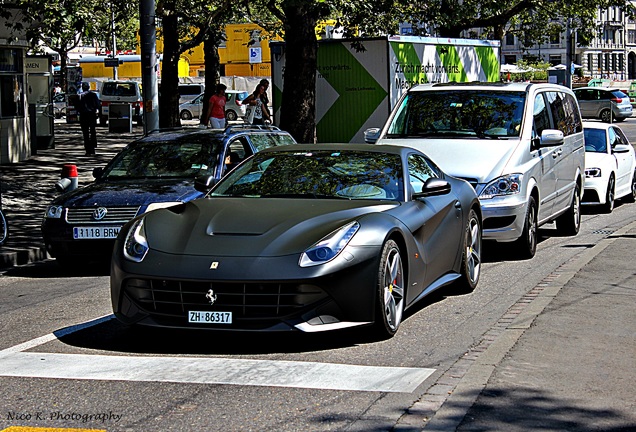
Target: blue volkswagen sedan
{"x": 156, "y": 171}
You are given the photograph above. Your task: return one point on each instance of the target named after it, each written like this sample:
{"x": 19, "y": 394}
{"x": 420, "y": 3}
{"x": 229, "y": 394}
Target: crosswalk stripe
{"x": 14, "y": 361}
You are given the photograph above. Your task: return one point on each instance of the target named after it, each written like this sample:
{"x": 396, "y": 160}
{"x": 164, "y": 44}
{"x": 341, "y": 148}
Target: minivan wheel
{"x": 569, "y": 222}
{"x": 606, "y": 116}
{"x": 526, "y": 245}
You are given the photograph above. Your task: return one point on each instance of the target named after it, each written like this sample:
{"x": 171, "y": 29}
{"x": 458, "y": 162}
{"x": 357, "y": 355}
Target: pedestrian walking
{"x": 257, "y": 102}
{"x": 215, "y": 117}
{"x": 88, "y": 105}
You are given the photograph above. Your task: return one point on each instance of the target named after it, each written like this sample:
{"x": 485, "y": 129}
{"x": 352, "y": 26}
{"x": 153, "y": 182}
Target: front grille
{"x": 244, "y": 300}
{"x": 119, "y": 215}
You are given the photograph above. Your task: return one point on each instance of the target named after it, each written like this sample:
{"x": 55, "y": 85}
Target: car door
{"x": 586, "y": 98}
{"x": 624, "y": 160}
{"x": 545, "y": 176}
{"x": 438, "y": 221}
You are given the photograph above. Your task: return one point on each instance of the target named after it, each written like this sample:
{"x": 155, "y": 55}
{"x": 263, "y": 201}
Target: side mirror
{"x": 549, "y": 138}
{"x": 97, "y": 172}
{"x": 433, "y": 187}
{"x": 204, "y": 183}
{"x": 371, "y": 135}
{"x": 620, "y": 148}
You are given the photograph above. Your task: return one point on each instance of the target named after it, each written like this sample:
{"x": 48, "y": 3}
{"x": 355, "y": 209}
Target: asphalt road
{"x": 64, "y": 363}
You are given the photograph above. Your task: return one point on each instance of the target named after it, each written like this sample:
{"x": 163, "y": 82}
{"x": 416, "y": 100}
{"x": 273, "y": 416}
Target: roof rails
{"x": 244, "y": 126}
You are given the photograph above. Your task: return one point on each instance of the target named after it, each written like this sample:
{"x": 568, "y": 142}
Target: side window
{"x": 572, "y": 113}
{"x": 556, "y": 108}
{"x": 262, "y": 141}
{"x": 613, "y": 138}
{"x": 541, "y": 115}
{"x": 419, "y": 171}
{"x": 565, "y": 113}
{"x": 621, "y": 138}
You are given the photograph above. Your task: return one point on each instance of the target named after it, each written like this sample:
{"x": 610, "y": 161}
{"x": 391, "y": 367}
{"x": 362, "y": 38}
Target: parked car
{"x": 233, "y": 107}
{"x": 603, "y": 103}
{"x": 59, "y": 105}
{"x": 610, "y": 166}
{"x": 189, "y": 91}
{"x": 345, "y": 235}
{"x": 520, "y": 145}
{"x": 122, "y": 92}
{"x": 154, "y": 171}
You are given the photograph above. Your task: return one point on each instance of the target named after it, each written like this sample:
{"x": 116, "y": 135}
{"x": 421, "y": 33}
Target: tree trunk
{"x": 298, "y": 102}
{"x": 169, "y": 96}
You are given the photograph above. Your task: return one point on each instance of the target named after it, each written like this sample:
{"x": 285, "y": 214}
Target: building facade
{"x": 611, "y": 54}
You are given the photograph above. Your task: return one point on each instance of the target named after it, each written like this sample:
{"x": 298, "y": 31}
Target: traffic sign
{"x": 112, "y": 62}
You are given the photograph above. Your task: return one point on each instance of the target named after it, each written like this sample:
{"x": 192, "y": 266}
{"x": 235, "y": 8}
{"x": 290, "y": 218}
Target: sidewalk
{"x": 29, "y": 186}
{"x": 562, "y": 359}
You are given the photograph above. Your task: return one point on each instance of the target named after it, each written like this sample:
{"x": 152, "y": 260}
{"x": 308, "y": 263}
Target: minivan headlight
{"x": 136, "y": 244}
{"x": 502, "y": 186}
{"x": 329, "y": 247}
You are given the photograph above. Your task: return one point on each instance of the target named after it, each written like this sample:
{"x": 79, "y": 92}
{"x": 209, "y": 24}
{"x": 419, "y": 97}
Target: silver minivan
{"x": 520, "y": 145}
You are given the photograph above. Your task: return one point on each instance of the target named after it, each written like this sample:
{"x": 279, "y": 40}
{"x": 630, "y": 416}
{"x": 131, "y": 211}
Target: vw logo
{"x": 211, "y": 296}
{"x": 99, "y": 213}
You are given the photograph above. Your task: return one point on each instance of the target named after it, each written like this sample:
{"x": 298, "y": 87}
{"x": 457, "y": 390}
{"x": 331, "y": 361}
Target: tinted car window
{"x": 564, "y": 113}
{"x": 419, "y": 172}
{"x": 541, "y": 116}
{"x": 119, "y": 89}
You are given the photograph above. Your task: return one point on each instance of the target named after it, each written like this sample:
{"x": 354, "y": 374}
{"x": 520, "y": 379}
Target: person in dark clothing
{"x": 88, "y": 106}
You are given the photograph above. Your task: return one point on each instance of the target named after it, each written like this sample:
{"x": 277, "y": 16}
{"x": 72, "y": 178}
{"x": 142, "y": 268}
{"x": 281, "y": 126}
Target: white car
{"x": 234, "y": 108}
{"x": 610, "y": 166}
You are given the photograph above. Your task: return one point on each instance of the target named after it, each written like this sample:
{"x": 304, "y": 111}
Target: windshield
{"x": 317, "y": 174}
{"x": 189, "y": 157}
{"x": 464, "y": 113}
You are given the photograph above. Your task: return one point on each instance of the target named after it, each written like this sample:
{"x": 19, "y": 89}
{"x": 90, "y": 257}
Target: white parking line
{"x": 203, "y": 370}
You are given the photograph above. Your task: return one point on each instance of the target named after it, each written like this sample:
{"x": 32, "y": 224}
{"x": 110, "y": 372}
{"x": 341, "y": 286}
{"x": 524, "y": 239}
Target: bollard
{"x": 68, "y": 182}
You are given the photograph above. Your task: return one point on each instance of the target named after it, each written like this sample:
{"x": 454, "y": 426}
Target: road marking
{"x": 204, "y": 370}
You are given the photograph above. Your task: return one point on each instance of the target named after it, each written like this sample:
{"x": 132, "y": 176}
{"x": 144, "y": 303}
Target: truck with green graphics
{"x": 357, "y": 88}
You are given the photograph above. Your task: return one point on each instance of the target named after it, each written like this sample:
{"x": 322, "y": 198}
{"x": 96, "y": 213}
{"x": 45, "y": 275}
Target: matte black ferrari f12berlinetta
{"x": 302, "y": 237}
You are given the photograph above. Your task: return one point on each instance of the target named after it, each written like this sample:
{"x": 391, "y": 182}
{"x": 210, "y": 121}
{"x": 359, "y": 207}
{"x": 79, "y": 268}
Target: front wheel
{"x": 471, "y": 255}
{"x": 632, "y": 196}
{"x": 526, "y": 245}
{"x": 390, "y": 291}
{"x": 569, "y": 222}
{"x": 609, "y": 196}
{"x": 4, "y": 228}
{"x": 186, "y": 115}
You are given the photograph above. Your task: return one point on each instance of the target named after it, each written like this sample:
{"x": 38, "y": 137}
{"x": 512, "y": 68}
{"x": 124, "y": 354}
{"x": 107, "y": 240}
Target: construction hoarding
{"x": 357, "y": 85}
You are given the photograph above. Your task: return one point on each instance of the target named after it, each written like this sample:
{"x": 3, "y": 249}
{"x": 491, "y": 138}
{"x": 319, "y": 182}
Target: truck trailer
{"x": 358, "y": 84}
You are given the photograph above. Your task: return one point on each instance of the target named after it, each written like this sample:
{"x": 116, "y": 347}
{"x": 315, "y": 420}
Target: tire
{"x": 186, "y": 115}
{"x": 390, "y": 292}
{"x": 632, "y": 196}
{"x": 526, "y": 245}
{"x": 230, "y": 115}
{"x": 569, "y": 222}
{"x": 4, "y": 228}
{"x": 609, "y": 196}
{"x": 606, "y": 116}
{"x": 103, "y": 120}
{"x": 471, "y": 256}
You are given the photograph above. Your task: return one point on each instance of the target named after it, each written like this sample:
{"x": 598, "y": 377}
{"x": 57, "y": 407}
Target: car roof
{"x": 597, "y": 125}
{"x": 499, "y": 86}
{"x": 231, "y": 130}
{"x": 375, "y": 148}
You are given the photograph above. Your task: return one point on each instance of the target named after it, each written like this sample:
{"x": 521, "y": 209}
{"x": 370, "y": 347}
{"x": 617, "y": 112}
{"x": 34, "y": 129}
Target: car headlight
{"x": 592, "y": 172}
{"x": 136, "y": 244}
{"x": 329, "y": 247}
{"x": 54, "y": 212}
{"x": 160, "y": 205}
{"x": 505, "y": 185}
